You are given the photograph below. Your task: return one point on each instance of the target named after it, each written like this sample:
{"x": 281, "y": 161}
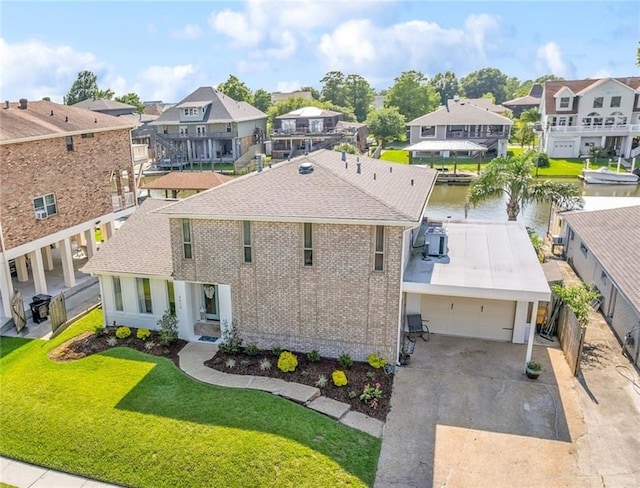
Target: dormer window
{"x": 564, "y": 102}
{"x": 191, "y": 111}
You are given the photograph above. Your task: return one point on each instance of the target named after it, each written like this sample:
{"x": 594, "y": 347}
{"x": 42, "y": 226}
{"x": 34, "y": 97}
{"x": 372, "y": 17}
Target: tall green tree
{"x": 412, "y": 95}
{"x": 512, "y": 176}
{"x": 511, "y": 87}
{"x": 447, "y": 86}
{"x": 486, "y": 80}
{"x": 262, "y": 100}
{"x": 334, "y": 89}
{"x": 132, "y": 99}
{"x": 85, "y": 87}
{"x": 386, "y": 124}
{"x": 359, "y": 95}
{"x": 236, "y": 89}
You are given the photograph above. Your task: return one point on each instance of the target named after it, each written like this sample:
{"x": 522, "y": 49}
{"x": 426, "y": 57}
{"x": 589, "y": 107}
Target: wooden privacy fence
{"x": 571, "y": 335}
{"x": 58, "y": 312}
{"x": 17, "y": 311}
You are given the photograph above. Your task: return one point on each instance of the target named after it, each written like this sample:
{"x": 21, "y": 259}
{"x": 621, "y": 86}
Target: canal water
{"x": 448, "y": 201}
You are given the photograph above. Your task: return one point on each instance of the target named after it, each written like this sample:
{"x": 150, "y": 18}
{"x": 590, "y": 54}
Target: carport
{"x": 485, "y": 282}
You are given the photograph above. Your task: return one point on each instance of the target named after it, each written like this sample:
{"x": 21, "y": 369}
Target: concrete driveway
{"x": 464, "y": 415}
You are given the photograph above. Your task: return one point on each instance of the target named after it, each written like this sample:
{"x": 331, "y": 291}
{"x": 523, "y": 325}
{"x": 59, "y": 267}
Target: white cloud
{"x": 167, "y": 83}
{"x": 237, "y": 26}
{"x": 601, "y": 73}
{"x": 372, "y": 51}
{"x": 189, "y": 31}
{"x": 550, "y": 59}
{"x": 35, "y": 70}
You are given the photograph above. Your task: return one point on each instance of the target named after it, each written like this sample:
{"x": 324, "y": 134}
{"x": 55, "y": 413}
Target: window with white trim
{"x": 598, "y": 102}
{"x": 564, "y": 102}
{"x": 69, "y": 141}
{"x": 143, "y": 288}
{"x": 616, "y": 101}
{"x": 45, "y": 206}
{"x": 427, "y": 131}
{"x": 308, "y": 244}
{"x": 117, "y": 293}
{"x": 171, "y": 297}
{"x": 378, "y": 256}
{"x": 187, "y": 248}
{"x": 246, "y": 241}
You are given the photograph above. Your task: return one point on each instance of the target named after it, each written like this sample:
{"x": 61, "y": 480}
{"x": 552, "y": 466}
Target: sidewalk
{"x": 22, "y": 475}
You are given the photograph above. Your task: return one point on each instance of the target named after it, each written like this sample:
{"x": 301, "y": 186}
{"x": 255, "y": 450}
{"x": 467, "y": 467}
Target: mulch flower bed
{"x": 91, "y": 343}
{"x": 359, "y": 375}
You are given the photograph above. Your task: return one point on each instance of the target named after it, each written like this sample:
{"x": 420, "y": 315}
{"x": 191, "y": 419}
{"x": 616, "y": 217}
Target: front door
{"x": 210, "y": 297}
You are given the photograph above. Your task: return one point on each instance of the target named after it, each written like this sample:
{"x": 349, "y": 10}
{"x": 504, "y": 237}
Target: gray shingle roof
{"x": 36, "y": 121}
{"x": 613, "y": 236}
{"x": 98, "y": 104}
{"x": 462, "y": 113}
{"x": 330, "y": 193}
{"x": 220, "y": 108}
{"x": 142, "y": 246}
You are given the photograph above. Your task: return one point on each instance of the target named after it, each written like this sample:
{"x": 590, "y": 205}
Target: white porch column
{"x": 625, "y": 150}
{"x": 107, "y": 230}
{"x": 226, "y": 309}
{"x": 6, "y": 287}
{"x": 47, "y": 257}
{"x": 21, "y": 268}
{"x": 185, "y": 322}
{"x": 90, "y": 237}
{"x": 80, "y": 240}
{"x": 211, "y": 155}
{"x": 532, "y": 333}
{"x": 37, "y": 268}
{"x": 67, "y": 262}
{"x": 189, "y": 150}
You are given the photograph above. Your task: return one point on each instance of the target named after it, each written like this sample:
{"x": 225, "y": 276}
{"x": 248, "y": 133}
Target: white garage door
{"x": 469, "y": 317}
{"x": 563, "y": 149}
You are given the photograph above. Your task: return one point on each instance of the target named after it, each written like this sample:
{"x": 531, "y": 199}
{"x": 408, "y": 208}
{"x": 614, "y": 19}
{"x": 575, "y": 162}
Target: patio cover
{"x": 454, "y": 146}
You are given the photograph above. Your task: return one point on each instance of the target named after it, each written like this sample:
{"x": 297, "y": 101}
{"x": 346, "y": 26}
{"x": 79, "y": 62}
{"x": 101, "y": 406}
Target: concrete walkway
{"x": 23, "y": 475}
{"x": 194, "y": 354}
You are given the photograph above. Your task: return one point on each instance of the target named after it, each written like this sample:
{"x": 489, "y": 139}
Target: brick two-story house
{"x": 580, "y": 114}
{"x": 64, "y": 171}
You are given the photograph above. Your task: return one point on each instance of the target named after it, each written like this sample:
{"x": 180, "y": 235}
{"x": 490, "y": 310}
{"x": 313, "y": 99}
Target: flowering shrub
{"x": 376, "y": 361}
{"x": 371, "y": 395}
{"x": 123, "y": 332}
{"x": 339, "y": 378}
{"x": 143, "y": 334}
{"x": 287, "y": 362}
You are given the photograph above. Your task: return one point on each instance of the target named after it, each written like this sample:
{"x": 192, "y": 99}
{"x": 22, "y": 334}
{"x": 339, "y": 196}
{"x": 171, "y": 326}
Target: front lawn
{"x": 133, "y": 419}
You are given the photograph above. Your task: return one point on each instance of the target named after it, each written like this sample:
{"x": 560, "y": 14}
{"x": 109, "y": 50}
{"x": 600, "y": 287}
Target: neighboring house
{"x": 578, "y": 115}
{"x": 119, "y": 109}
{"x": 320, "y": 253}
{"x": 306, "y": 129}
{"x": 529, "y": 101}
{"x": 64, "y": 171}
{"x": 354, "y": 133}
{"x": 463, "y": 119}
{"x": 602, "y": 246}
{"x": 280, "y": 96}
{"x": 207, "y": 125}
{"x": 378, "y": 101}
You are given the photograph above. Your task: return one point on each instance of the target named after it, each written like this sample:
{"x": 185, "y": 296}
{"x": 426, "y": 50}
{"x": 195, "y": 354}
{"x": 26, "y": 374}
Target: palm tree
{"x": 512, "y": 176}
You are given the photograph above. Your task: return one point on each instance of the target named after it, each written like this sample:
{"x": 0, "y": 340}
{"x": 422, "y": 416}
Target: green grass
{"x": 136, "y": 420}
{"x": 558, "y": 168}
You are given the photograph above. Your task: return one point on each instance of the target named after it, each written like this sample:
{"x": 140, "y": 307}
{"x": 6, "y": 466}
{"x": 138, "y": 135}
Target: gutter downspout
{"x": 401, "y": 301}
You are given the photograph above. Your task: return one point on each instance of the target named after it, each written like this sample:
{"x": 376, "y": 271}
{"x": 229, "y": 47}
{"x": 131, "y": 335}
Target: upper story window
{"x": 45, "y": 206}
{"x": 143, "y": 288}
{"x": 316, "y": 125}
{"x": 427, "y": 131}
{"x": 229, "y": 127}
{"x": 191, "y": 111}
{"x": 598, "y": 102}
{"x": 378, "y": 264}
{"x": 288, "y": 125}
{"x": 201, "y": 130}
{"x": 117, "y": 293}
{"x": 246, "y": 241}
{"x": 69, "y": 142}
{"x": 564, "y": 102}
{"x": 616, "y": 101}
{"x": 308, "y": 245}
{"x": 183, "y": 129}
{"x": 87, "y": 135}
{"x": 186, "y": 239}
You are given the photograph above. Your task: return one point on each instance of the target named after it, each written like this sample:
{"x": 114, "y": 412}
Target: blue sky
{"x": 164, "y": 50}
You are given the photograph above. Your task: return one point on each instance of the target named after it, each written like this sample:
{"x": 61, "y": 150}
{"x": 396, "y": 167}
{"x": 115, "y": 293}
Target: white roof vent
{"x": 305, "y": 168}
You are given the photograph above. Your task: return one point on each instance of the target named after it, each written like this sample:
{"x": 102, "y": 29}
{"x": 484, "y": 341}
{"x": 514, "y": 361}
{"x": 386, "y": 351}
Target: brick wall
{"x": 338, "y": 305}
{"x": 79, "y": 179}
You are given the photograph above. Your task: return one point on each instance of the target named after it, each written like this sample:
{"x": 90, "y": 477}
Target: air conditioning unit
{"x": 435, "y": 242}
{"x": 558, "y": 239}
{"x": 41, "y": 214}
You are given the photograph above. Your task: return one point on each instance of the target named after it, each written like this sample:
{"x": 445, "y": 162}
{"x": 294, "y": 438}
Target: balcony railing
{"x": 621, "y": 128}
{"x": 474, "y": 135}
{"x": 121, "y": 202}
{"x": 206, "y": 135}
